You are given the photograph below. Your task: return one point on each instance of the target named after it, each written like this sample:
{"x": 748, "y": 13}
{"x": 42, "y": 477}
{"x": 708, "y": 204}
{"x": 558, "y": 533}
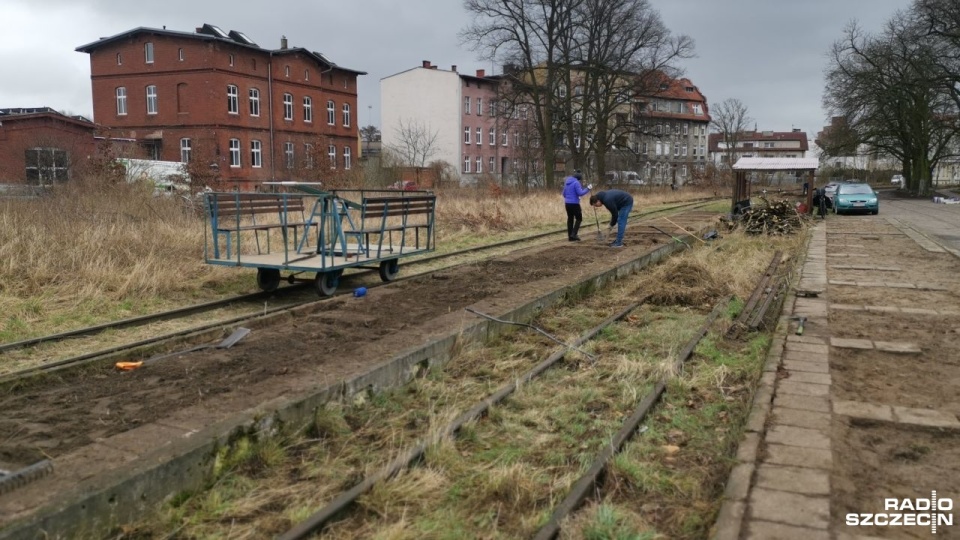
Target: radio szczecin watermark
{"x": 932, "y": 512}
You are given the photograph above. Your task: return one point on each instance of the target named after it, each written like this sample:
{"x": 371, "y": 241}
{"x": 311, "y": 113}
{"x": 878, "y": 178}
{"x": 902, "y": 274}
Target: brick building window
{"x": 180, "y": 54}
{"x": 256, "y": 154}
{"x": 479, "y": 164}
{"x": 331, "y": 113}
{"x": 233, "y": 101}
{"x": 346, "y": 157}
{"x": 492, "y": 165}
{"x": 492, "y": 135}
{"x": 148, "y": 52}
{"x": 45, "y": 166}
{"x": 466, "y": 135}
{"x": 288, "y": 106}
{"x": 185, "y": 150}
{"x": 307, "y": 109}
{"x": 479, "y": 106}
{"x": 466, "y": 164}
{"x": 308, "y": 155}
{"x": 479, "y": 136}
{"x": 230, "y": 60}
{"x": 286, "y": 71}
{"x": 234, "y": 152}
{"x": 306, "y": 74}
{"x": 332, "y": 156}
{"x": 119, "y": 59}
{"x": 466, "y": 105}
{"x": 346, "y": 115}
{"x": 254, "y": 102}
{"x": 152, "y": 99}
{"x": 121, "y": 100}
{"x": 288, "y": 154}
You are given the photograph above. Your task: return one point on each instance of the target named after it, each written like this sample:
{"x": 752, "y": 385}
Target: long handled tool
{"x": 597, "y": 218}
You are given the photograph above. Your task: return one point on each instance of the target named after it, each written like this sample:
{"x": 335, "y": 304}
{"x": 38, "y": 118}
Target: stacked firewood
{"x": 778, "y": 217}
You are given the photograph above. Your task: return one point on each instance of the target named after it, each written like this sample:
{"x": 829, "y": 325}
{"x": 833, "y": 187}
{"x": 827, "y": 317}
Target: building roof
{"x": 715, "y": 139}
{"x": 669, "y": 88}
{"x": 15, "y": 114}
{"x": 210, "y": 32}
{"x": 775, "y": 164}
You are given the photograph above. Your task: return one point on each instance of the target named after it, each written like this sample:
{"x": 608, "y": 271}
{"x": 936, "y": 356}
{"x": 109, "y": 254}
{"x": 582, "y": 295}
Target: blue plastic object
{"x": 360, "y": 291}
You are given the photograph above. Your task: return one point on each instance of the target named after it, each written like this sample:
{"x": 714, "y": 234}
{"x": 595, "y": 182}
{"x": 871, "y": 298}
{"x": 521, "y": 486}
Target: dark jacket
{"x": 614, "y": 200}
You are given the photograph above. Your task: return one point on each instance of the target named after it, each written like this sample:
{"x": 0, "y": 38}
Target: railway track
{"x": 251, "y": 305}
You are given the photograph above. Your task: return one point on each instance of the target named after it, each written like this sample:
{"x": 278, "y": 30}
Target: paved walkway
{"x": 781, "y": 485}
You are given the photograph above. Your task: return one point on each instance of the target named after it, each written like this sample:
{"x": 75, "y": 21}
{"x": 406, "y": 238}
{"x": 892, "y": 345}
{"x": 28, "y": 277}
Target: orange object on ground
{"x": 127, "y": 366}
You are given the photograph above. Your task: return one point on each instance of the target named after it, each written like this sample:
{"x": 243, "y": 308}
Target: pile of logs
{"x": 771, "y": 218}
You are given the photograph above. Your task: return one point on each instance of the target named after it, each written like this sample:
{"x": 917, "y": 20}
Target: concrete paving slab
{"x": 767, "y": 530}
{"x": 814, "y": 458}
{"x": 844, "y": 343}
{"x": 859, "y": 409}
{"x": 807, "y": 403}
{"x": 898, "y": 347}
{"x": 789, "y": 508}
{"x": 808, "y": 377}
{"x": 899, "y": 285}
{"x": 798, "y": 436}
{"x": 793, "y": 479}
{"x": 925, "y": 417}
{"x": 787, "y": 386}
{"x": 805, "y": 366}
{"x": 805, "y": 339}
{"x": 795, "y": 346}
{"x": 801, "y": 418}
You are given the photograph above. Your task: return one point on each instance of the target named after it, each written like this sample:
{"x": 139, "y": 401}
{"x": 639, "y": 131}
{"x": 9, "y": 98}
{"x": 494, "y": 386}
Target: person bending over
{"x": 619, "y": 203}
{"x": 572, "y": 191}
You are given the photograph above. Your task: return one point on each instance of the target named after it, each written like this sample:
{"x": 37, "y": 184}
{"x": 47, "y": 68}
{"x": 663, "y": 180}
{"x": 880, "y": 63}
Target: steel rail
{"x": 199, "y": 330}
{"x": 215, "y": 304}
{"x": 319, "y": 519}
{"x": 586, "y": 484}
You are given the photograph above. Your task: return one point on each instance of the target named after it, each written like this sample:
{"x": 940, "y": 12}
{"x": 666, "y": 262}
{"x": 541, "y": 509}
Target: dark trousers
{"x": 574, "y": 217}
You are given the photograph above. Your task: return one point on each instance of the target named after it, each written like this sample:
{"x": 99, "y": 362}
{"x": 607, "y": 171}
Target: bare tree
{"x": 730, "y": 118}
{"x": 416, "y": 144}
{"x": 895, "y": 92}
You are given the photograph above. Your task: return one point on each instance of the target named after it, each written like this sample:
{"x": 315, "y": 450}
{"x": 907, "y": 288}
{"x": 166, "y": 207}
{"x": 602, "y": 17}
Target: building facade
{"x": 434, "y": 115}
{"x": 249, "y": 113}
{"x": 41, "y": 147}
{"x": 768, "y": 144}
{"x": 671, "y": 142}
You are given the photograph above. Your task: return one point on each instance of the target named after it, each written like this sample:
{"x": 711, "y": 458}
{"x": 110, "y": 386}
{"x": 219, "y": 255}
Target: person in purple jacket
{"x": 619, "y": 203}
{"x": 572, "y": 191}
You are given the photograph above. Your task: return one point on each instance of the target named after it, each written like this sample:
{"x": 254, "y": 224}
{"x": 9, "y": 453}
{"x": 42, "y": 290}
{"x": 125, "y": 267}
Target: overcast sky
{"x": 770, "y": 54}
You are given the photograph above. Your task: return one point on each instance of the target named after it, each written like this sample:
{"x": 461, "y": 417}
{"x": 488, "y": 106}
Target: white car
{"x": 897, "y": 180}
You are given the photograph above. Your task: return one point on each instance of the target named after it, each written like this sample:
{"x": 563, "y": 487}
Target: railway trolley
{"x": 306, "y": 229}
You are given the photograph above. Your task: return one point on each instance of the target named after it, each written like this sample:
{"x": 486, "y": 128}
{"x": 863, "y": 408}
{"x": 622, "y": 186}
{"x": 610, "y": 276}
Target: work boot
{"x": 574, "y": 238}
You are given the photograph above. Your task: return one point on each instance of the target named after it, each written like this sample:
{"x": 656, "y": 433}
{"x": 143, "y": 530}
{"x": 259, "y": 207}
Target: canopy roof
{"x": 776, "y": 164}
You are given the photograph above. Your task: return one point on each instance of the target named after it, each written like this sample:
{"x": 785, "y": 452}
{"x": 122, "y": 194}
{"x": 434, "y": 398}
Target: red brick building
{"x": 40, "y": 146}
{"x": 253, "y": 114}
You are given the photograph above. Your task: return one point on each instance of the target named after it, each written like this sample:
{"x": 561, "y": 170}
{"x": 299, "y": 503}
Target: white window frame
{"x": 479, "y": 165}
{"x": 256, "y": 154}
{"x": 152, "y": 102}
{"x": 288, "y": 154}
{"x": 121, "y": 101}
{"x": 287, "y": 106}
{"x": 331, "y": 113}
{"x": 466, "y": 104}
{"x": 148, "y": 52}
{"x": 347, "y": 155}
{"x": 119, "y": 59}
{"x": 308, "y": 109}
{"x": 254, "y": 96}
{"x": 235, "y": 154}
{"x": 479, "y": 106}
{"x": 180, "y": 55}
{"x": 346, "y": 115}
{"x": 479, "y": 136}
{"x": 230, "y": 60}
{"x": 233, "y": 99}
{"x": 332, "y": 156}
{"x": 492, "y": 165}
{"x": 503, "y": 138}
{"x": 493, "y": 137}
{"x": 466, "y": 164}
{"x": 466, "y": 135}
{"x": 185, "y": 150}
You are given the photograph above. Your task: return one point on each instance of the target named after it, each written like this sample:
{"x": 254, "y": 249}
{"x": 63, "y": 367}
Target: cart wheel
{"x": 268, "y": 279}
{"x": 389, "y": 269}
{"x": 327, "y": 282}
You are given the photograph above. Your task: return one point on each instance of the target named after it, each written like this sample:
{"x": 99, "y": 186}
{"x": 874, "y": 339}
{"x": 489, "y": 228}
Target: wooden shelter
{"x": 744, "y": 166}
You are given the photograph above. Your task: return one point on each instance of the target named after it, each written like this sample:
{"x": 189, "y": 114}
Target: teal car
{"x": 855, "y": 197}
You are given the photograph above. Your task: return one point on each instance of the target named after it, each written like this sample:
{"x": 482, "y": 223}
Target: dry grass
{"x": 92, "y": 252}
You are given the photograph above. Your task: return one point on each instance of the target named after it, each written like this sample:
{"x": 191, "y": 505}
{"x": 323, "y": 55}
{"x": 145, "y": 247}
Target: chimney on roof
{"x": 481, "y": 73}
{"x": 426, "y": 64}
{"x": 283, "y": 42}
{"x": 796, "y": 130}
{"x": 453, "y": 68}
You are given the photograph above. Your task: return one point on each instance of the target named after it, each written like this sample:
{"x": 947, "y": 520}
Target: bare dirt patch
{"x": 877, "y": 460}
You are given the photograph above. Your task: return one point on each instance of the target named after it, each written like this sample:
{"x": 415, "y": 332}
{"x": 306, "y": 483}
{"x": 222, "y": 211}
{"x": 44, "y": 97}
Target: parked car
{"x": 405, "y": 185}
{"x": 897, "y": 180}
{"x": 855, "y": 197}
{"x": 830, "y": 190}
{"x": 623, "y": 178}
